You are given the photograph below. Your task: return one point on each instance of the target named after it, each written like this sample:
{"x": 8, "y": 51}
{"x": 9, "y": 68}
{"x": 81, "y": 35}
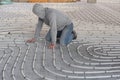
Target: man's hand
{"x": 51, "y": 46}
{"x": 31, "y": 40}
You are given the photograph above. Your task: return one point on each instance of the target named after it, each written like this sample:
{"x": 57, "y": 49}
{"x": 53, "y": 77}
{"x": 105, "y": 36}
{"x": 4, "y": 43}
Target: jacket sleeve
{"x": 38, "y": 28}
{"x": 53, "y": 27}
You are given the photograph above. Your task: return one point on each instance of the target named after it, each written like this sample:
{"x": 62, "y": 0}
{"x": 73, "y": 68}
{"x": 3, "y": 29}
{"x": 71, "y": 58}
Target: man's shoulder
{"x": 52, "y": 10}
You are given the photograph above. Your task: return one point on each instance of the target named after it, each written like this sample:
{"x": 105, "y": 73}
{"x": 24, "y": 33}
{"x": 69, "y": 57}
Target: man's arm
{"x": 53, "y": 28}
{"x": 38, "y": 28}
{"x": 37, "y": 31}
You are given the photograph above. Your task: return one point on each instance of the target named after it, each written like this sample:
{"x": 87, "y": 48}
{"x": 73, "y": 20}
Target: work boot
{"x": 74, "y": 34}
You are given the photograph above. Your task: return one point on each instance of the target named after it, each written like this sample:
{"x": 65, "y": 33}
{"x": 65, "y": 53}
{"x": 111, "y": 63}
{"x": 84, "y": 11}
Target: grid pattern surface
{"x": 95, "y": 55}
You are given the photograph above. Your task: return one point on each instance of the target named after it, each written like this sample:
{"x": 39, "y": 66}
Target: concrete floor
{"x": 95, "y": 55}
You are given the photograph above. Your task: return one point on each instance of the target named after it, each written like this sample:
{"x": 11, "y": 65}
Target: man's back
{"x": 54, "y": 15}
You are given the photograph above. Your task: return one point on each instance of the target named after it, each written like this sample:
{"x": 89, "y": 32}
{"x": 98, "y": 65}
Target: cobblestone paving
{"x": 95, "y": 55}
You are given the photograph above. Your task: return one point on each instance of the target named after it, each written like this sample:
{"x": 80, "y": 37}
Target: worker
{"x": 61, "y": 27}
